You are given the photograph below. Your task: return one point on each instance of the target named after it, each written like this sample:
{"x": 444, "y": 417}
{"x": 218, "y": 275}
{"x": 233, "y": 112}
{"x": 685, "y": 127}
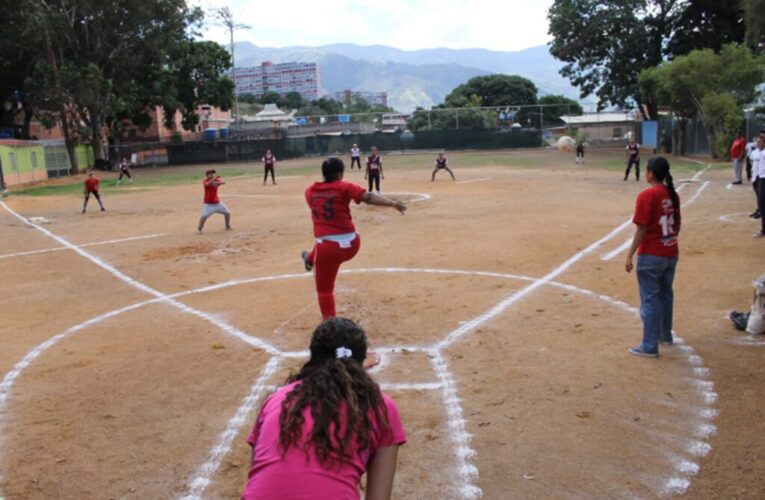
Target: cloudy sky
{"x": 407, "y": 24}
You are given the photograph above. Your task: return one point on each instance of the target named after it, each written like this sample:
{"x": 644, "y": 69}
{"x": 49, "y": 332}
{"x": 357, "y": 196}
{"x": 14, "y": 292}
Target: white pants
{"x": 214, "y": 208}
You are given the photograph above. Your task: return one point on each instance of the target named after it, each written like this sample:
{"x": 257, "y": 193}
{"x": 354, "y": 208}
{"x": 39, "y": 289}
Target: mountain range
{"x": 412, "y": 77}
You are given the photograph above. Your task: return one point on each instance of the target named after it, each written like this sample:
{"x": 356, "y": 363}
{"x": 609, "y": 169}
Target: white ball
{"x": 566, "y": 143}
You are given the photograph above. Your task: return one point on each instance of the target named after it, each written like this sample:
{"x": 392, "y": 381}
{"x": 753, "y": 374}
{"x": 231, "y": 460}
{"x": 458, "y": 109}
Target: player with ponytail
{"x": 657, "y": 217}
{"x": 333, "y": 229}
{"x": 316, "y": 436}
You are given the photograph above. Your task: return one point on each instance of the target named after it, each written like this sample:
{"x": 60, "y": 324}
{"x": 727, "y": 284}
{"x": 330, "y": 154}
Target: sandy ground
{"x": 537, "y": 399}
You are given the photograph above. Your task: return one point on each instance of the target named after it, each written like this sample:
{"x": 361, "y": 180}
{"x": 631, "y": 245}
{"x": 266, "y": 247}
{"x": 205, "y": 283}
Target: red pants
{"x": 327, "y": 257}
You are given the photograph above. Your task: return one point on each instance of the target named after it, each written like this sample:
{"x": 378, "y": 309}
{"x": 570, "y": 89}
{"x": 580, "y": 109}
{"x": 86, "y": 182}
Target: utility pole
{"x": 226, "y": 19}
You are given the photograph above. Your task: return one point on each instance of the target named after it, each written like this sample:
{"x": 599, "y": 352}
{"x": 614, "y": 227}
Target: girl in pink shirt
{"x": 315, "y": 437}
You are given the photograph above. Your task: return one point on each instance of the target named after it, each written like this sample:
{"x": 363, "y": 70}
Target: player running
{"x": 632, "y": 152}
{"x": 269, "y": 161}
{"x": 213, "y": 204}
{"x": 336, "y": 238}
{"x": 441, "y": 164}
{"x": 657, "y": 221}
{"x": 355, "y": 156}
{"x": 91, "y": 187}
{"x": 125, "y": 171}
{"x": 374, "y": 169}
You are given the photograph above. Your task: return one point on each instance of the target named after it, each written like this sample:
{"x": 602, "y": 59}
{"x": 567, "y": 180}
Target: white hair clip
{"x": 343, "y": 352}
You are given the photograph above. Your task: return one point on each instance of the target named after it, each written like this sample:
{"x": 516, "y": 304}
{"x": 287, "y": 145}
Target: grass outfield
{"x": 148, "y": 177}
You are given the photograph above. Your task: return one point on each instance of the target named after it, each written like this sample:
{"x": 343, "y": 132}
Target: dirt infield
{"x": 135, "y": 353}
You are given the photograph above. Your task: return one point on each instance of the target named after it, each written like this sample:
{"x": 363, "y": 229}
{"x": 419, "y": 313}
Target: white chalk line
{"x": 416, "y": 197}
{"x": 727, "y": 217}
{"x": 468, "y": 181}
{"x": 205, "y": 472}
{"x": 624, "y": 246}
{"x": 222, "y": 325}
{"x": 464, "y": 453}
{"x": 36, "y": 352}
{"x": 84, "y": 245}
{"x": 236, "y": 195}
{"x": 467, "y": 473}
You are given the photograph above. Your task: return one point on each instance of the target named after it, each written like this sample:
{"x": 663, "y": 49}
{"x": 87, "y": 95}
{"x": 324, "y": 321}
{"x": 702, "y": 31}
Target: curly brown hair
{"x": 331, "y": 386}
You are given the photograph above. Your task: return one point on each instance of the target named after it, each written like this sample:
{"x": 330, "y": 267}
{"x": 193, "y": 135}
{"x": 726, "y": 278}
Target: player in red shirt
{"x": 374, "y": 169}
{"x": 657, "y": 217}
{"x": 213, "y": 204}
{"x": 737, "y": 154}
{"x": 441, "y": 164}
{"x": 91, "y": 187}
{"x": 336, "y": 237}
{"x": 269, "y": 161}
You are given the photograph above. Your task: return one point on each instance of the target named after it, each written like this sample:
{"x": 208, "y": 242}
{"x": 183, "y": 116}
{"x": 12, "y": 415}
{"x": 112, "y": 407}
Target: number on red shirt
{"x": 667, "y": 223}
{"x": 327, "y": 206}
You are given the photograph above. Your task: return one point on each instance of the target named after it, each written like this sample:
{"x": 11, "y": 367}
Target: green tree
{"x": 706, "y": 24}
{"x": 248, "y": 98}
{"x": 558, "y": 105}
{"x": 98, "y": 63}
{"x": 270, "y": 97}
{"x": 754, "y": 19}
{"x": 606, "y": 44}
{"x": 292, "y": 100}
{"x": 711, "y": 86}
{"x": 493, "y": 90}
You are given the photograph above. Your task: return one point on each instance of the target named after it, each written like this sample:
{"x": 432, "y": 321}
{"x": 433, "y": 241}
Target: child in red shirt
{"x": 213, "y": 204}
{"x": 336, "y": 237}
{"x": 315, "y": 437}
{"x": 657, "y": 216}
{"x": 91, "y": 187}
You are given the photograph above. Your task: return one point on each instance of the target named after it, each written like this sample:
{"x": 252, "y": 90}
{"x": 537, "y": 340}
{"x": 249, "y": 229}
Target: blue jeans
{"x": 655, "y": 276}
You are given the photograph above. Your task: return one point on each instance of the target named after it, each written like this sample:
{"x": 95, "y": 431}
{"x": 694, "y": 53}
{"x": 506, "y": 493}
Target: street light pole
{"x": 226, "y": 18}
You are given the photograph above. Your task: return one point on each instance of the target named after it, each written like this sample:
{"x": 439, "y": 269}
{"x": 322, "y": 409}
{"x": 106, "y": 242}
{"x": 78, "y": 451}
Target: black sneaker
{"x": 739, "y": 319}
{"x": 307, "y": 263}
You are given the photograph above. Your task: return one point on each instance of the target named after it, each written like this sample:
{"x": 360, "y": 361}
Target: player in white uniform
{"x": 355, "y": 156}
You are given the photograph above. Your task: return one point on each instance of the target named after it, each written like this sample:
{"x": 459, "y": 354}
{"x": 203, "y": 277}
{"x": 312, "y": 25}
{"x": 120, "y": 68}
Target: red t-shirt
{"x": 91, "y": 185}
{"x": 737, "y": 148}
{"x": 330, "y": 206}
{"x": 654, "y": 209}
{"x": 211, "y": 191}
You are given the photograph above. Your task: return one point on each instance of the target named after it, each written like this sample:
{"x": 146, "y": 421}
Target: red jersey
{"x": 269, "y": 160}
{"x": 211, "y": 190}
{"x": 442, "y": 162}
{"x": 654, "y": 209}
{"x": 737, "y": 148}
{"x": 374, "y": 163}
{"x": 330, "y": 206}
{"x": 91, "y": 184}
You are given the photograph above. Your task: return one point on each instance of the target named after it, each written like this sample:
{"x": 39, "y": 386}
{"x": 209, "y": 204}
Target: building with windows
{"x": 373, "y": 98}
{"x": 303, "y": 78}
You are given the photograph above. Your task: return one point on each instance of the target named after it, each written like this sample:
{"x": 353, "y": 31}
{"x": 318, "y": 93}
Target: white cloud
{"x": 414, "y": 24}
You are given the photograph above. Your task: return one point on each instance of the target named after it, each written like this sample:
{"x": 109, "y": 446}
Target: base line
{"x": 93, "y": 244}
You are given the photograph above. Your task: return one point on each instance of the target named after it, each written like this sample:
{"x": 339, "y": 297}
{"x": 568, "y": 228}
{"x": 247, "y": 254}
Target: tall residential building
{"x": 373, "y": 98}
{"x": 303, "y": 78}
